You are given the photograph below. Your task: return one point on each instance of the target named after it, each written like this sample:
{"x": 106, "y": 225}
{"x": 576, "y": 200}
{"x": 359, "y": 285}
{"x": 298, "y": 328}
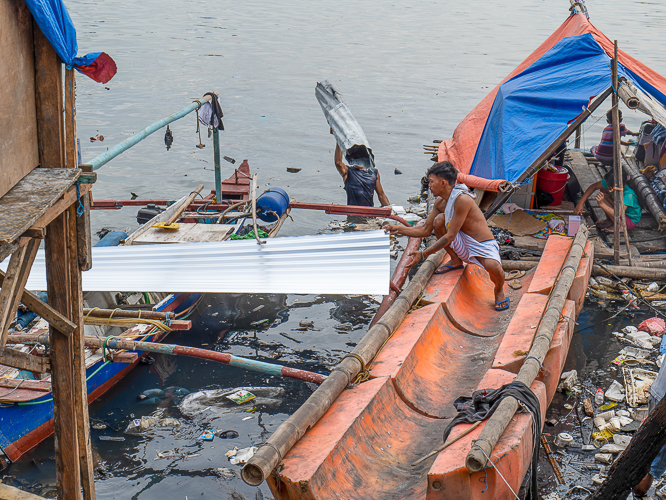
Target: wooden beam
{"x": 65, "y": 418}
{"x": 41, "y": 308}
{"x": 11, "y": 292}
{"x": 35, "y": 232}
{"x": 79, "y": 357}
{"x": 23, "y": 360}
{"x": 48, "y": 96}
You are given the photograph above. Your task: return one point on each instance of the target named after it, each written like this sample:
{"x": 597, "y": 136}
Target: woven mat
{"x": 518, "y": 223}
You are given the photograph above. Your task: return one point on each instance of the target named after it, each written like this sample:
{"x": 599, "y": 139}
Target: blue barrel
{"x": 272, "y": 204}
{"x": 112, "y": 239}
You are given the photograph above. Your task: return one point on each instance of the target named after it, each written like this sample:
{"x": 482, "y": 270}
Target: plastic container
{"x": 599, "y": 397}
{"x": 553, "y": 183}
{"x": 272, "y": 204}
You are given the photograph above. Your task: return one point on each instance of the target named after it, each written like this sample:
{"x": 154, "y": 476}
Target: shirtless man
{"x": 461, "y": 229}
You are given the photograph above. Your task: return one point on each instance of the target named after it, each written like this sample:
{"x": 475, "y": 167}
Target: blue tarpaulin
{"x": 54, "y": 21}
{"x": 534, "y": 107}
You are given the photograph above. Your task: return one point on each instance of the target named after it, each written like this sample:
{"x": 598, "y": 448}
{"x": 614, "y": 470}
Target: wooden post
{"x": 48, "y": 92}
{"x": 79, "y": 360}
{"x": 634, "y": 462}
{"x": 620, "y": 224}
{"x": 577, "y": 143}
{"x": 58, "y": 277}
{"x": 70, "y": 120}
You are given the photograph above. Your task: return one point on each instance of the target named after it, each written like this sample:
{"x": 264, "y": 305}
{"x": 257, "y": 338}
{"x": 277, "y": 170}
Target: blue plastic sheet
{"x": 56, "y": 24}
{"x": 532, "y": 109}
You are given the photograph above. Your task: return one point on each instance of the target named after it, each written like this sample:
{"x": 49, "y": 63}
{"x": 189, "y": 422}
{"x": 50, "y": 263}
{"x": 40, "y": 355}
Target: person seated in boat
{"x": 632, "y": 210}
{"x": 604, "y": 151}
{"x": 461, "y": 230}
{"x": 360, "y": 182}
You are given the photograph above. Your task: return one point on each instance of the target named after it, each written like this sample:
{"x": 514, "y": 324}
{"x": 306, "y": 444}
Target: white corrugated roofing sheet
{"x": 355, "y": 263}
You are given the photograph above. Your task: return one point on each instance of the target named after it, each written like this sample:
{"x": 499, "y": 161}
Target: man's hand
{"x": 601, "y": 198}
{"x": 414, "y": 258}
{"x": 578, "y": 209}
{"x": 393, "y": 229}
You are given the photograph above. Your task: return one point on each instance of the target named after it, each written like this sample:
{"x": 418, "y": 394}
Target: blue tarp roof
{"x": 533, "y": 108}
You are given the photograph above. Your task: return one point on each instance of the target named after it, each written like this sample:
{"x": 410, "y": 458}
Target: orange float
{"x": 365, "y": 445}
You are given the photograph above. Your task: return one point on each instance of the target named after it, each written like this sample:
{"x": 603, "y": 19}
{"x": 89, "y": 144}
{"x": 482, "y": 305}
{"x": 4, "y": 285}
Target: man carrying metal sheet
{"x": 359, "y": 174}
{"x": 461, "y": 229}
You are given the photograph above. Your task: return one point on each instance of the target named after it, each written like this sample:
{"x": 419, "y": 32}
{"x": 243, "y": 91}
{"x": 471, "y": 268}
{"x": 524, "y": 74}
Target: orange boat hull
{"x": 365, "y": 445}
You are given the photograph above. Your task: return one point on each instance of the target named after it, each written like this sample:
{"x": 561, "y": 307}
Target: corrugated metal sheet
{"x": 342, "y": 263}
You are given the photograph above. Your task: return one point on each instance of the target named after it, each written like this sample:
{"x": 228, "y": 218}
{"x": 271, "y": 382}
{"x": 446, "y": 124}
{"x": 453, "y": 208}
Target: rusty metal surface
{"x": 31, "y": 198}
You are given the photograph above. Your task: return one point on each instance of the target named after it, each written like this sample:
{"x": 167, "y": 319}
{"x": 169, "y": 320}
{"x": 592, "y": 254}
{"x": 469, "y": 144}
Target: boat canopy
{"x": 522, "y": 116}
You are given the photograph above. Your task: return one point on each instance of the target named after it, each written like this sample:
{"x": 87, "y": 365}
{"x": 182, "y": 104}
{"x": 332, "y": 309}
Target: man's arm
{"x": 462, "y": 208}
{"x": 416, "y": 231}
{"x": 383, "y": 199}
{"x": 588, "y": 192}
{"x": 339, "y": 164}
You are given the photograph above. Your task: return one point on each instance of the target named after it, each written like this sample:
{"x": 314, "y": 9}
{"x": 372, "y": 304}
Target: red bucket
{"x": 553, "y": 183}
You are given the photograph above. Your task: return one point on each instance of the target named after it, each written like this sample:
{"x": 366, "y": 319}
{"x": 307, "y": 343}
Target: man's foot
{"x": 608, "y": 230}
{"x": 604, "y": 223}
{"x": 445, "y": 268}
{"x": 502, "y": 305}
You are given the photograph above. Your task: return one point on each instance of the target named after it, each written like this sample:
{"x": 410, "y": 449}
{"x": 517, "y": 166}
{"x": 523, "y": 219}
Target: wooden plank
{"x": 186, "y": 233}
{"x": 33, "y": 385}
{"x": 35, "y": 232}
{"x": 14, "y": 284}
{"x": 10, "y": 493}
{"x": 79, "y": 360}
{"x": 23, "y": 360}
{"x": 48, "y": 95}
{"x": 18, "y": 140}
{"x": 586, "y": 176}
{"x": 68, "y": 476}
{"x": 41, "y": 308}
{"x": 31, "y": 198}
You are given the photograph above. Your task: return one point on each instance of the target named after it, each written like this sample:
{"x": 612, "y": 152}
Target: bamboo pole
{"x": 190, "y": 198}
{"x": 178, "y": 350}
{"x": 647, "y": 272}
{"x": 483, "y": 446}
{"x": 270, "y": 454}
{"x": 125, "y": 313}
{"x": 273, "y": 233}
{"x": 618, "y": 188}
{"x": 645, "y": 191}
{"x": 254, "y": 209}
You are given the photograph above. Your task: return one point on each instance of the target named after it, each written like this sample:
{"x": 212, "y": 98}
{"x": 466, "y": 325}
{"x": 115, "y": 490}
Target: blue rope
{"x": 80, "y": 210}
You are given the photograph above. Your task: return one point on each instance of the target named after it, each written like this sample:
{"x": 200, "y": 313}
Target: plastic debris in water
{"x": 206, "y": 435}
{"x": 240, "y": 397}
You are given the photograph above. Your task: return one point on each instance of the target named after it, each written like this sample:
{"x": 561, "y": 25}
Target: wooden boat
{"x": 365, "y": 444}
{"x": 26, "y": 404}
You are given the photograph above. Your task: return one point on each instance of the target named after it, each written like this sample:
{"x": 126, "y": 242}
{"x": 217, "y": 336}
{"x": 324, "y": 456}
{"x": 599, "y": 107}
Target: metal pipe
{"x": 192, "y": 352}
{"x": 109, "y": 155}
{"x": 216, "y": 156}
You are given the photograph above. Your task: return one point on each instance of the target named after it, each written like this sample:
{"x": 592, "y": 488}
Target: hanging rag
{"x": 211, "y": 114}
{"x": 483, "y": 404}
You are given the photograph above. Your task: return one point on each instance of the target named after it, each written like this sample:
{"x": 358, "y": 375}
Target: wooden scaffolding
{"x": 44, "y": 197}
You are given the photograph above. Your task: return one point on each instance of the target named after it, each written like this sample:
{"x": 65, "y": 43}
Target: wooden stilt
{"x": 578, "y": 134}
{"x": 79, "y": 364}
{"x": 68, "y": 477}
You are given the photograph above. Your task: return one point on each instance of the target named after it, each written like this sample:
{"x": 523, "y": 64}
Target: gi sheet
{"x": 347, "y": 132}
{"x": 355, "y": 263}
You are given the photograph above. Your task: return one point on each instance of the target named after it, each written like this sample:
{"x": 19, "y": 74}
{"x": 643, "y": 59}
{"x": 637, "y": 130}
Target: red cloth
{"x": 654, "y": 326}
{"x": 101, "y": 70}
{"x": 461, "y": 148}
